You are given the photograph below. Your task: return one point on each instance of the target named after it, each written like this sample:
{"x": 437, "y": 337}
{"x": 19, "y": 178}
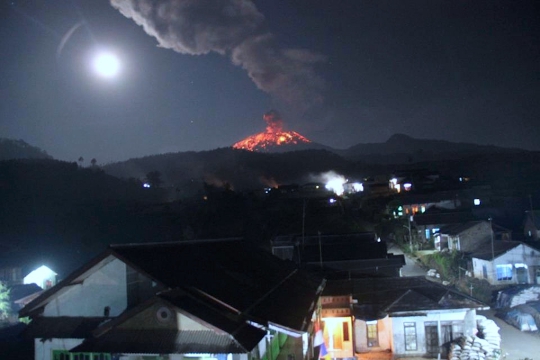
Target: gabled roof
{"x": 238, "y": 275}
{"x": 381, "y": 297}
{"x": 227, "y": 332}
{"x": 499, "y": 248}
{"x": 456, "y": 229}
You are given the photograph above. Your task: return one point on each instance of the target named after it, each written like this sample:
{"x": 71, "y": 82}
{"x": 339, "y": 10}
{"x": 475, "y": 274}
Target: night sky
{"x": 199, "y": 74}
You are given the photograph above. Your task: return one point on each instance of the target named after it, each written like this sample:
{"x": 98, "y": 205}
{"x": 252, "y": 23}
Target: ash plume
{"x": 274, "y": 122}
{"x": 233, "y": 28}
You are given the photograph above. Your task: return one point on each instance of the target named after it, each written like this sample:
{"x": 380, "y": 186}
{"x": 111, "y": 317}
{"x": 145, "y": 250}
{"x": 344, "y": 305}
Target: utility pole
{"x": 410, "y": 234}
{"x": 492, "y": 248}
{"x": 320, "y": 249}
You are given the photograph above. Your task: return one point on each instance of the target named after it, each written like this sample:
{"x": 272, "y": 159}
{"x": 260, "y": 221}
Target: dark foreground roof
{"x": 381, "y": 297}
{"x": 64, "y": 327}
{"x": 238, "y": 274}
{"x": 158, "y": 341}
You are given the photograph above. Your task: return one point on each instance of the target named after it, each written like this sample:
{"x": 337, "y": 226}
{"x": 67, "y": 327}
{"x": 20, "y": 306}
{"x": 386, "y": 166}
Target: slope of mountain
{"x": 240, "y": 169}
{"x": 401, "y": 148}
{"x": 19, "y": 149}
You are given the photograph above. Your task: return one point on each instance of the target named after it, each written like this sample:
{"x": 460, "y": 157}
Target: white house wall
{"x": 460, "y": 315}
{"x": 521, "y": 254}
{"x": 105, "y": 287}
{"x": 43, "y": 349}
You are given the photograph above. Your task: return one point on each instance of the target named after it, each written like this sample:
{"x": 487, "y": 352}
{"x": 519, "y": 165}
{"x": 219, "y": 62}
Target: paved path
{"x": 411, "y": 267}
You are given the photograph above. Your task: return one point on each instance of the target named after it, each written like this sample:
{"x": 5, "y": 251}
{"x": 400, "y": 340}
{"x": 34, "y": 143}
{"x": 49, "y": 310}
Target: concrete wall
{"x": 105, "y": 287}
{"x": 392, "y": 332}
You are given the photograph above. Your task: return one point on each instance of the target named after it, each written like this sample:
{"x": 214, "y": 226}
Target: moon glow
{"x": 106, "y": 65}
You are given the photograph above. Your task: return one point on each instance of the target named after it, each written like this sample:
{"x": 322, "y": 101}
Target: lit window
{"x": 407, "y": 186}
{"x": 476, "y": 202}
{"x": 410, "y": 336}
{"x": 504, "y": 272}
{"x": 372, "y": 334}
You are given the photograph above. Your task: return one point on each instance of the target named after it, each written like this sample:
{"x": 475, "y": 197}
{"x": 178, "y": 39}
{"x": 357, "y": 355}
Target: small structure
{"x": 464, "y": 237}
{"x": 43, "y": 277}
{"x": 409, "y": 317}
{"x": 506, "y": 262}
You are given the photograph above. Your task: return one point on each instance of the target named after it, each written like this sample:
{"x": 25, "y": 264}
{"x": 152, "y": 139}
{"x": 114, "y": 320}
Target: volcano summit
{"x": 273, "y": 137}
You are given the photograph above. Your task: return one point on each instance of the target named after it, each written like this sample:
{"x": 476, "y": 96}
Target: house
{"x": 43, "y": 277}
{"x": 430, "y": 222}
{"x": 531, "y": 225}
{"x": 409, "y": 317}
{"x": 464, "y": 237}
{"x": 339, "y": 255}
{"x": 221, "y": 299}
{"x": 506, "y": 262}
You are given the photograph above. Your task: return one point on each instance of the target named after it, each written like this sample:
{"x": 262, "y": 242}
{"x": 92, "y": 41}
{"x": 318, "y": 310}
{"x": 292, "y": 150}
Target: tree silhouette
{"x": 154, "y": 178}
{"x": 93, "y": 162}
{"x": 81, "y": 160}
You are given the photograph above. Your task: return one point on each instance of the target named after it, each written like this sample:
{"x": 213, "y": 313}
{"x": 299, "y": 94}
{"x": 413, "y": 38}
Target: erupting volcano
{"x": 272, "y": 137}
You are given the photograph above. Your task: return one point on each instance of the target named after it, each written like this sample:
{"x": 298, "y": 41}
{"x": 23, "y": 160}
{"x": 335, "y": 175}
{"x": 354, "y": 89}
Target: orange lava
{"x": 273, "y": 136}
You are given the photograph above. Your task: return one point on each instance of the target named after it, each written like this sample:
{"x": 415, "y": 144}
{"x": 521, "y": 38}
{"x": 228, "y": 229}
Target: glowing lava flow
{"x": 273, "y": 136}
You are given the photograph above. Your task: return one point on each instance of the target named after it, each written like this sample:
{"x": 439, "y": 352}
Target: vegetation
{"x": 5, "y": 303}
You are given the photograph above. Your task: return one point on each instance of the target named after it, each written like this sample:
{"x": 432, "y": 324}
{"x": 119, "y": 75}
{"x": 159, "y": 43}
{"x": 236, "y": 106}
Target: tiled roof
{"x": 158, "y": 341}
{"x": 456, "y": 229}
{"x": 381, "y": 297}
{"x": 239, "y": 275}
{"x": 217, "y": 315}
{"x": 499, "y": 248}
{"x": 63, "y": 327}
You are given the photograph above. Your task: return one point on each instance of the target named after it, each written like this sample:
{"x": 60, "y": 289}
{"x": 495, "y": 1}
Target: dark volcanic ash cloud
{"x": 234, "y": 28}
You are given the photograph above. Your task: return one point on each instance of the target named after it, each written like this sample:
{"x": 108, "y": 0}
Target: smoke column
{"x": 233, "y": 28}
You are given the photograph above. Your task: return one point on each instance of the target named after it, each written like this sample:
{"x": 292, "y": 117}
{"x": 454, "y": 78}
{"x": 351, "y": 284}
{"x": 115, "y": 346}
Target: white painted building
{"x": 409, "y": 317}
{"x": 507, "y": 262}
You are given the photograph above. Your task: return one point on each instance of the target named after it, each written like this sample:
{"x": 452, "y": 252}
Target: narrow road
{"x": 411, "y": 267}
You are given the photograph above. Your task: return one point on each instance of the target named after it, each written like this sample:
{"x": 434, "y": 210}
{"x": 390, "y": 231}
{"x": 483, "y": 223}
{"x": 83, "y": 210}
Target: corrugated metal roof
{"x": 156, "y": 341}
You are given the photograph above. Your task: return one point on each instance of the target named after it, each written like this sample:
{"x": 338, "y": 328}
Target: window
{"x": 410, "y": 336}
{"x": 484, "y": 271}
{"x": 345, "y": 331}
{"x": 372, "y": 334}
{"x": 504, "y": 272}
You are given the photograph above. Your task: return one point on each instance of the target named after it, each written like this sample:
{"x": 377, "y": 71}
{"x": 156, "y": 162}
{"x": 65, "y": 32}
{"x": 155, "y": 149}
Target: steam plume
{"x": 233, "y": 28}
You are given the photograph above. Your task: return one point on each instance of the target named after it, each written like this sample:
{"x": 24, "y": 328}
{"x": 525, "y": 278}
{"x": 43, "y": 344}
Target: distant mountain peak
{"x": 399, "y": 138}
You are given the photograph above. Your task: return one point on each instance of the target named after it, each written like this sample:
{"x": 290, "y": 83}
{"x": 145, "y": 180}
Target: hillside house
{"x": 464, "y": 237}
{"x": 217, "y": 298}
{"x": 431, "y": 222}
{"x": 507, "y": 262}
{"x": 409, "y": 317}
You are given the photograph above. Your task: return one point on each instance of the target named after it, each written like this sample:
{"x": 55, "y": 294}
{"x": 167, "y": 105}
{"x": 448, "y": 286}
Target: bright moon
{"x": 106, "y": 65}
